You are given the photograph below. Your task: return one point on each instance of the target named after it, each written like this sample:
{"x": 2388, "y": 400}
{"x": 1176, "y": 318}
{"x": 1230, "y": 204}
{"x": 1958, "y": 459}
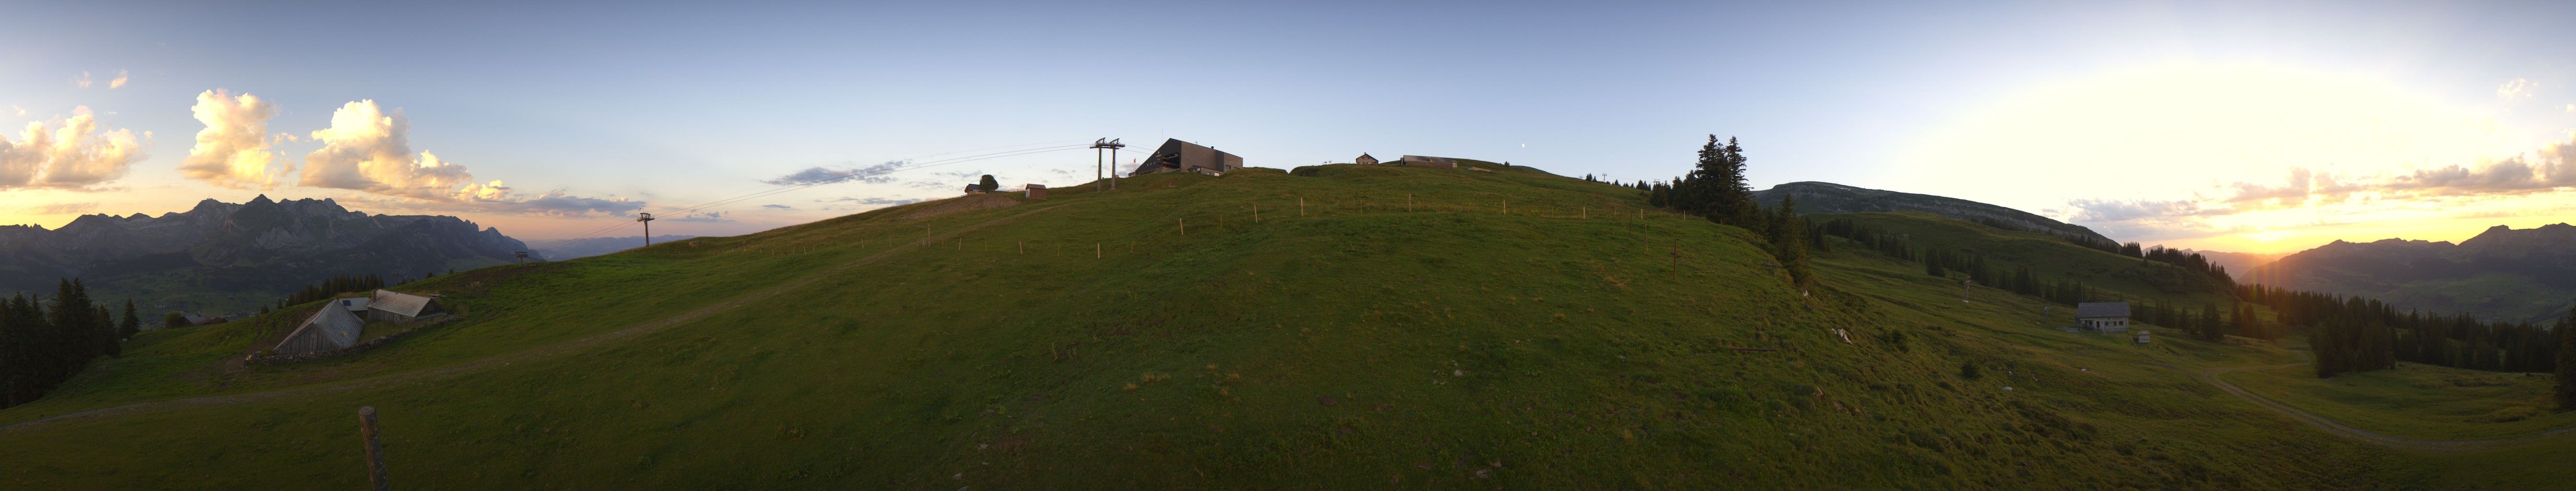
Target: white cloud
{"x": 83, "y": 81}
{"x": 366, "y": 149}
{"x": 2517, "y": 89}
{"x": 117, "y": 82}
{"x": 72, "y": 154}
{"x": 23, "y": 111}
{"x": 2571, "y": 108}
{"x": 233, "y": 149}
{"x": 874, "y": 174}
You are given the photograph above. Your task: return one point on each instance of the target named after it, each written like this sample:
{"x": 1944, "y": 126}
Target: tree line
{"x": 1715, "y": 189}
{"x": 45, "y": 342}
{"x": 2353, "y": 334}
{"x": 333, "y": 287}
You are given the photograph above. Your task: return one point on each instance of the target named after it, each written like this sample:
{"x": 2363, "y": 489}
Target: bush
{"x": 1970, "y": 371}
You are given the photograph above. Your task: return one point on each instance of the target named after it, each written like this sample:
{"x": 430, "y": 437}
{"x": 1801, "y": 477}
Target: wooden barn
{"x": 1421, "y": 161}
{"x": 1180, "y": 156}
{"x": 1365, "y": 159}
{"x": 1035, "y": 191}
{"x": 331, "y": 328}
{"x": 388, "y": 305}
{"x": 2106, "y": 317}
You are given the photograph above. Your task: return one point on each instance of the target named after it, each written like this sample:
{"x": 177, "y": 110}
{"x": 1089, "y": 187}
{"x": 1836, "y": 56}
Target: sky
{"x": 2236, "y": 126}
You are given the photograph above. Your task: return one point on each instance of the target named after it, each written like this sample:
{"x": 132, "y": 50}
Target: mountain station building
{"x": 1181, "y": 156}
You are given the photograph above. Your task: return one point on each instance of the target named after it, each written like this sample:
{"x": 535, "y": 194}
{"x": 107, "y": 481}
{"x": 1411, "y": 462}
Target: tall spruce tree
{"x": 14, "y": 370}
{"x": 130, "y": 324}
{"x": 2211, "y": 329}
{"x": 2566, "y": 331}
{"x": 1788, "y": 239}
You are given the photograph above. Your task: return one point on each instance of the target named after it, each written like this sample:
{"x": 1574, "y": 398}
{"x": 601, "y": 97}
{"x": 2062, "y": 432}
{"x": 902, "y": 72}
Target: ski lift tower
{"x": 1113, "y": 145}
{"x": 647, "y": 218}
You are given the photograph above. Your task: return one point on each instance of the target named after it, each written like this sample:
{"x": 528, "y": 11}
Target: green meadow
{"x": 1330, "y": 327}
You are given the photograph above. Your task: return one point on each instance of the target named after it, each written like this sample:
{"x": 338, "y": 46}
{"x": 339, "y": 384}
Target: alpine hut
{"x": 1180, "y": 156}
{"x": 1365, "y": 159}
{"x": 2106, "y": 317}
{"x": 331, "y": 328}
{"x": 388, "y": 305}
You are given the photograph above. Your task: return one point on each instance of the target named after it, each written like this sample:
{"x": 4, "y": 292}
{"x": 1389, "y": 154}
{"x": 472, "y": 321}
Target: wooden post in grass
{"x": 1256, "y": 213}
{"x": 1583, "y": 212}
{"x": 925, "y": 234}
{"x": 1301, "y": 206}
{"x": 375, "y": 450}
{"x": 1408, "y": 202}
{"x": 1024, "y": 247}
{"x": 1095, "y": 250}
{"x": 1185, "y": 225}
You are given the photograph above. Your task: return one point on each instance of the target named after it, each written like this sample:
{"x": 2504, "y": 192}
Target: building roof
{"x": 327, "y": 329}
{"x": 405, "y": 304}
{"x": 2088, "y": 310}
{"x": 352, "y": 304}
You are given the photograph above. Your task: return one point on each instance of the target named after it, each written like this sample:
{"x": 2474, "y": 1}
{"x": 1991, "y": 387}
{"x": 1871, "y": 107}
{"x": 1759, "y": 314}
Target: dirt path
{"x": 487, "y": 363}
{"x": 2320, "y": 422}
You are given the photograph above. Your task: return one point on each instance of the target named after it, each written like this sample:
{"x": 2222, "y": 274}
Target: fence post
{"x": 1301, "y": 206}
{"x": 375, "y": 451}
{"x": 1185, "y": 225}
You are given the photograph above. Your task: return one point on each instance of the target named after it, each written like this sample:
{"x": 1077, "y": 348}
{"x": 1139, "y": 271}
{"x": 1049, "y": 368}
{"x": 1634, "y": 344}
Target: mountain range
{"x": 2526, "y": 275}
{"x": 231, "y": 258}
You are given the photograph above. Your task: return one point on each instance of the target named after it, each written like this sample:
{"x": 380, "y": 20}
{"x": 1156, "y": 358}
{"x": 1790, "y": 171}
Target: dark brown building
{"x": 1365, "y": 159}
{"x": 1180, "y": 156}
{"x": 1036, "y": 191}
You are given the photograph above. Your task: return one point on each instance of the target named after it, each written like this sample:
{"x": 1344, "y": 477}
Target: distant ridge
{"x": 1826, "y": 197}
{"x": 602, "y": 245}
{"x": 2503, "y": 273}
{"x": 231, "y": 258}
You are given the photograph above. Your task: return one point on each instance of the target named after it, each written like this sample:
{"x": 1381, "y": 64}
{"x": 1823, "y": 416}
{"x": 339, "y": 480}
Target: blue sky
{"x": 666, "y": 106}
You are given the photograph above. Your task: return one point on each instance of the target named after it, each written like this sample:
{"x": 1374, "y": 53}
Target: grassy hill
{"x": 1341, "y": 327}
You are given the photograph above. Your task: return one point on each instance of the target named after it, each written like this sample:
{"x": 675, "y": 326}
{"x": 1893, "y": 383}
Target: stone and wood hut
{"x": 2106, "y": 317}
{"x": 1365, "y": 159}
{"x": 1180, "y": 156}
{"x": 388, "y": 305}
{"x": 335, "y": 326}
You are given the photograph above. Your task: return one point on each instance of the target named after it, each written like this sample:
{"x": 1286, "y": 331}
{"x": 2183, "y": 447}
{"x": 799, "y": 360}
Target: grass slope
{"x": 2418, "y": 401}
{"x": 1375, "y": 327}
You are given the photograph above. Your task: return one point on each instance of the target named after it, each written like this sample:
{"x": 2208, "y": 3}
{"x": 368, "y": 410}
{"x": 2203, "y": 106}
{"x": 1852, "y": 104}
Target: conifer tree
{"x": 2567, "y": 362}
{"x": 1788, "y": 240}
{"x": 2210, "y": 327}
{"x": 127, "y": 326}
